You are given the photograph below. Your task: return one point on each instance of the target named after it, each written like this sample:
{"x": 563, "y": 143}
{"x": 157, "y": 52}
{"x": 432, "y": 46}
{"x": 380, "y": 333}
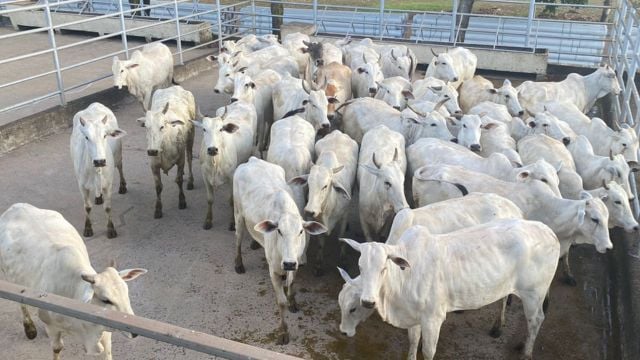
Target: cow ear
{"x": 104, "y": 119}
{"x": 492, "y": 91}
{"x": 197, "y": 124}
{"x": 435, "y": 62}
{"x": 408, "y": 95}
{"x": 304, "y": 50}
{"x": 83, "y": 122}
{"x": 299, "y": 180}
{"x": 345, "y": 276}
{"x": 314, "y": 227}
{"x": 131, "y": 274}
{"x": 399, "y": 261}
{"x": 333, "y": 100}
{"x": 230, "y": 128}
{"x": 341, "y": 190}
{"x": 265, "y": 226}
{"x": 141, "y": 121}
{"x": 523, "y": 175}
{"x": 436, "y": 88}
{"x": 90, "y": 278}
{"x": 453, "y": 120}
{"x": 118, "y": 133}
{"x": 360, "y": 70}
{"x": 166, "y": 108}
{"x": 354, "y": 244}
{"x": 585, "y": 195}
{"x": 633, "y": 165}
{"x": 604, "y": 197}
{"x": 115, "y": 60}
{"x": 337, "y": 169}
{"x": 242, "y": 69}
{"x": 582, "y": 211}
{"x": 506, "y": 82}
{"x": 489, "y": 126}
{"x": 132, "y": 66}
{"x": 176, "y": 122}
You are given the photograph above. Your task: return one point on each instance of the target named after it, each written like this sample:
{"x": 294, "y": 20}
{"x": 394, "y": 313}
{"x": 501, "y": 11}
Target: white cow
{"x": 435, "y": 151}
{"x": 436, "y": 90}
{"x": 622, "y": 139}
{"x": 294, "y": 96}
{"x": 226, "y": 143}
{"x": 456, "y": 66}
{"x": 594, "y": 169}
{"x": 395, "y": 91}
{"x": 620, "y": 214}
{"x": 361, "y": 115}
{"x": 96, "y": 150}
{"x": 461, "y": 270}
{"x": 544, "y": 123}
{"x": 228, "y": 70}
{"x": 258, "y": 91}
{"x": 495, "y": 111}
{"x": 582, "y": 91}
{"x": 39, "y": 249}
{"x": 320, "y": 54}
{"x": 149, "y": 69}
{"x": 397, "y": 60}
{"x": 296, "y": 44}
{"x": 467, "y": 131}
{"x": 495, "y": 137}
{"x": 276, "y": 225}
{"x": 479, "y": 89}
{"x": 331, "y": 182}
{"x": 564, "y": 216}
{"x": 382, "y": 164}
{"x": 335, "y": 79}
{"x": 249, "y": 43}
{"x": 170, "y": 137}
{"x": 366, "y": 73}
{"x": 535, "y": 147}
{"x": 292, "y": 147}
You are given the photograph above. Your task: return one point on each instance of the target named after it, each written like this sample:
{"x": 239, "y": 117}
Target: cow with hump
{"x": 39, "y": 249}
{"x": 414, "y": 283}
{"x": 170, "y": 136}
{"x": 276, "y": 224}
{"x": 454, "y": 66}
{"x": 96, "y": 151}
{"x": 148, "y": 70}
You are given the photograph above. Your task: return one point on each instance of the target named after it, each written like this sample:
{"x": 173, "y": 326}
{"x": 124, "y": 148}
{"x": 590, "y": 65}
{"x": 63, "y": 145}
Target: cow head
{"x": 349, "y": 300}
{"x": 398, "y": 63}
{"x": 615, "y": 198}
{"x": 226, "y": 75}
{"x": 507, "y": 95}
{"x": 121, "y": 71}
{"x": 324, "y": 184}
{"x": 215, "y": 134}
{"x": 369, "y": 75}
{"x": 624, "y": 140}
{"x": 284, "y": 236}
{"x": 374, "y": 262}
{"x": 394, "y": 91}
{"x": 230, "y": 47}
{"x": 389, "y": 181}
{"x": 443, "y": 64}
{"x": 315, "y": 106}
{"x": 109, "y": 289}
{"x": 546, "y": 173}
{"x": 158, "y": 123}
{"x": 468, "y": 131}
{"x": 608, "y": 81}
{"x": 593, "y": 219}
{"x": 432, "y": 124}
{"x": 315, "y": 51}
{"x": 330, "y": 91}
{"x": 617, "y": 169}
{"x": 95, "y": 134}
{"x": 449, "y": 93}
{"x": 244, "y": 89}
{"x": 548, "y": 124}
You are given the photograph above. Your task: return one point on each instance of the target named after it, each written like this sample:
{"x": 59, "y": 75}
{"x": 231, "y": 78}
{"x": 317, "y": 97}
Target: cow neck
{"x": 591, "y": 82}
{"x": 558, "y": 217}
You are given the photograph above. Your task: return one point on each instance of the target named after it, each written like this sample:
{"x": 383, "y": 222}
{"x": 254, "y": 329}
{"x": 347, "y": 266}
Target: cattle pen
{"x": 58, "y": 60}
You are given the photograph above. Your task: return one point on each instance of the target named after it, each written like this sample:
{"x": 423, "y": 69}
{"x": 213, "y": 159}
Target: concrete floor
{"x": 192, "y": 283}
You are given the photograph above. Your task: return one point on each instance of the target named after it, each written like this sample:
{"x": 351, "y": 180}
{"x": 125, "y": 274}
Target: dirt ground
{"x": 192, "y": 283}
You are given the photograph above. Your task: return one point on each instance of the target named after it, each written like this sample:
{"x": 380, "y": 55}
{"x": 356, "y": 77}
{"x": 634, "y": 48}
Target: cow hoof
{"x": 569, "y": 280}
{"x": 190, "y": 186}
{"x": 158, "y": 214}
{"x": 99, "y": 200}
{"x": 30, "y": 331}
{"x": 122, "y": 189}
{"x": 545, "y": 305}
{"x": 88, "y": 232}
{"x": 495, "y": 332}
{"x": 182, "y": 205}
{"x": 207, "y": 225}
{"x": 293, "y": 307}
{"x": 232, "y": 226}
{"x": 520, "y": 347}
{"x": 318, "y": 271}
{"x": 283, "y": 339}
{"x": 254, "y": 245}
{"x": 240, "y": 269}
{"x": 509, "y": 299}
{"x": 459, "y": 311}
{"x": 111, "y": 233}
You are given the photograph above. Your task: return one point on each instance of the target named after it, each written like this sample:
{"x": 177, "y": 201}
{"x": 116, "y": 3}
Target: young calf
{"x": 96, "y": 149}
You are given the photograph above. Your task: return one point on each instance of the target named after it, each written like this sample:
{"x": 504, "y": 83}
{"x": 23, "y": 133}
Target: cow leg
{"x": 367, "y": 230}
{"x": 291, "y": 293}
{"x": 123, "y": 183}
{"x": 88, "y": 229}
{"x": 29, "y": 327}
{"x": 57, "y": 344}
{"x": 281, "y": 299}
{"x": 105, "y": 341}
{"x": 414, "y": 340}
{"x": 111, "y": 230}
{"x": 568, "y": 279}
{"x": 190, "y": 159}
{"x": 318, "y": 270}
{"x": 496, "y": 330}
{"x": 182, "y": 202}
{"x": 534, "y": 314}
{"x": 232, "y": 222}
{"x": 430, "y": 334}
{"x": 158, "y": 181}
{"x": 208, "y": 221}
{"x": 241, "y": 231}
{"x": 343, "y": 247}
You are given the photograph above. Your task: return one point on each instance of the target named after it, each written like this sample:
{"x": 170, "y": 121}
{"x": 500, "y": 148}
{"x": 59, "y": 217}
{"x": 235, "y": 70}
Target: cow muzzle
{"x": 100, "y": 163}
{"x": 310, "y": 214}
{"x": 475, "y": 147}
{"x": 368, "y": 304}
{"x": 566, "y": 140}
{"x": 212, "y": 151}
{"x": 232, "y": 100}
{"x": 216, "y": 91}
{"x": 521, "y": 112}
{"x": 372, "y": 90}
{"x": 289, "y": 266}
{"x": 326, "y": 125}
{"x": 152, "y": 152}
{"x": 455, "y": 79}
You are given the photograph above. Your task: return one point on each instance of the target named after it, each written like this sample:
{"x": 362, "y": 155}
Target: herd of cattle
{"x": 478, "y": 191}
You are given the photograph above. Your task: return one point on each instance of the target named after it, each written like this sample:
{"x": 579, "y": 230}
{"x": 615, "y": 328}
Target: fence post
{"x": 56, "y": 60}
{"x": 454, "y": 17}
{"x": 123, "y": 27}
{"x": 219, "y": 26}
{"x": 381, "y": 25}
{"x": 532, "y": 14}
{"x": 178, "y": 34}
{"x": 315, "y": 14}
{"x": 253, "y": 17}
